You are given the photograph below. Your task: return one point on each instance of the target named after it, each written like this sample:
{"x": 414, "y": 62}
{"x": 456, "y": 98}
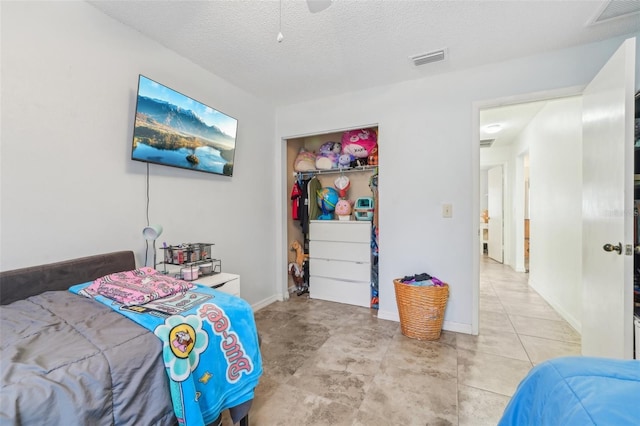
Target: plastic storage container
{"x": 363, "y": 209}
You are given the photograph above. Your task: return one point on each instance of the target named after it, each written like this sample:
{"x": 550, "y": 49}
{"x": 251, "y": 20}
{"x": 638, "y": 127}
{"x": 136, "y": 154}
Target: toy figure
{"x": 344, "y": 161}
{"x": 296, "y": 268}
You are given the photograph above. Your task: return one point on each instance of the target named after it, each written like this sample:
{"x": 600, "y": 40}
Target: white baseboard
{"x": 573, "y": 321}
{"x": 265, "y": 302}
{"x": 388, "y": 315}
{"x": 457, "y": 327}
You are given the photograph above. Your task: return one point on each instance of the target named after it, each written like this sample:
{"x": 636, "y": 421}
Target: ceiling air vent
{"x": 486, "y": 143}
{"x": 427, "y": 58}
{"x": 616, "y": 9}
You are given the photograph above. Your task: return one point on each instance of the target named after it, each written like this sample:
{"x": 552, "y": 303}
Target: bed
{"x": 577, "y": 391}
{"x": 67, "y": 359}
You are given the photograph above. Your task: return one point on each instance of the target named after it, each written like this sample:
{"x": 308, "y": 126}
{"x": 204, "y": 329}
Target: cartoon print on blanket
{"x": 210, "y": 349}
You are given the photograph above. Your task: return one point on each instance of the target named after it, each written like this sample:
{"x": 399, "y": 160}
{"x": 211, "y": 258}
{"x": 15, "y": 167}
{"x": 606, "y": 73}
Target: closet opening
{"x": 332, "y": 231}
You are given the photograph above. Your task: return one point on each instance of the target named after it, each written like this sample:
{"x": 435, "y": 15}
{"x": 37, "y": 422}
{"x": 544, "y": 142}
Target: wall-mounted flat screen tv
{"x": 175, "y": 130}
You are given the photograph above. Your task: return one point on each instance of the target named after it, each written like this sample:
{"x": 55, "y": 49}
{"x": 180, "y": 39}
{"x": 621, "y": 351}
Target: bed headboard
{"x": 25, "y": 282}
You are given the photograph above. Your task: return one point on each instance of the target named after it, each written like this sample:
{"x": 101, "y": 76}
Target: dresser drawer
{"x": 354, "y": 252}
{"x": 340, "y": 269}
{"x": 340, "y": 230}
{"x": 353, "y": 293}
{"x": 228, "y": 283}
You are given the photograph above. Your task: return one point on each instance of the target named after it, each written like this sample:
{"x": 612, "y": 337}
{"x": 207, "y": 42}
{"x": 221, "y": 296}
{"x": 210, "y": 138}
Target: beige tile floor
{"x": 334, "y": 364}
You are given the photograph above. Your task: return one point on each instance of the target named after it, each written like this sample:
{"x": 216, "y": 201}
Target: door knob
{"x": 611, "y": 247}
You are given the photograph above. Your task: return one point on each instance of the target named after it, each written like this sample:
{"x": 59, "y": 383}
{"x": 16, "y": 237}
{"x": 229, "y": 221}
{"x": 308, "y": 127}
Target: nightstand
{"x": 229, "y": 283}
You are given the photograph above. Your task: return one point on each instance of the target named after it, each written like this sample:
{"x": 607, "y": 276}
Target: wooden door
{"x": 608, "y": 167}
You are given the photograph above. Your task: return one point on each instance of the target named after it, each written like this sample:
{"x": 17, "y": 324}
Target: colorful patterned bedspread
{"x": 211, "y": 350}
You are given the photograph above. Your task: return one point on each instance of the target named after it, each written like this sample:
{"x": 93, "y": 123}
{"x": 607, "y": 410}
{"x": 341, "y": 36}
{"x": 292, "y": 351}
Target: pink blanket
{"x": 138, "y": 286}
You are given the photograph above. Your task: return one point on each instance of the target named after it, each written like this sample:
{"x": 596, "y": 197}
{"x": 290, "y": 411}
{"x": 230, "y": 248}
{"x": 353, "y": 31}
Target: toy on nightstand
{"x": 296, "y": 268}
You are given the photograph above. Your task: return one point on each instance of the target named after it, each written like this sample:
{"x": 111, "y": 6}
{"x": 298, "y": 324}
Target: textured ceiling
{"x": 359, "y": 44}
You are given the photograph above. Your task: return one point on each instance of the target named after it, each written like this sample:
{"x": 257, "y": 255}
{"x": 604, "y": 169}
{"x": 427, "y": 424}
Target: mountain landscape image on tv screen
{"x": 175, "y": 130}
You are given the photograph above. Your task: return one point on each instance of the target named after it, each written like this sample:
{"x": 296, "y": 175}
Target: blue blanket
{"x": 577, "y": 391}
{"x": 210, "y": 349}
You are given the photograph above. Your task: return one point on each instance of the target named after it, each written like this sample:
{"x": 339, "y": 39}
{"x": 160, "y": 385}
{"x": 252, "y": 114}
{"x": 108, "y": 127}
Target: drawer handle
{"x": 220, "y": 285}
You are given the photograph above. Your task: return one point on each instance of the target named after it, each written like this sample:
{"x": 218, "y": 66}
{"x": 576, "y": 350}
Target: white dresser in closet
{"x": 340, "y": 261}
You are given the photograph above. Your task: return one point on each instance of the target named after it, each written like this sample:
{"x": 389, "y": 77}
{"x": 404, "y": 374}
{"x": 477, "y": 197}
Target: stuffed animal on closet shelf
{"x": 372, "y": 160}
{"x": 344, "y": 161}
{"x": 305, "y": 161}
{"x": 359, "y": 143}
{"x": 328, "y": 154}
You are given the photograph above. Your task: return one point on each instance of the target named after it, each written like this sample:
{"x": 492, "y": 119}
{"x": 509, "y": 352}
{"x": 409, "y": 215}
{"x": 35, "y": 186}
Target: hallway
{"x": 508, "y": 306}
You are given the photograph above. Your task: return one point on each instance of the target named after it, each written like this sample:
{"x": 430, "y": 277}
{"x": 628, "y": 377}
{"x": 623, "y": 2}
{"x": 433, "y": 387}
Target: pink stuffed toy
{"x": 343, "y": 208}
{"x": 359, "y": 143}
{"x": 305, "y": 161}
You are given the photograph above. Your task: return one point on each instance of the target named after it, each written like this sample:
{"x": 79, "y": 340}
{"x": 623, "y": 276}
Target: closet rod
{"x": 311, "y": 173}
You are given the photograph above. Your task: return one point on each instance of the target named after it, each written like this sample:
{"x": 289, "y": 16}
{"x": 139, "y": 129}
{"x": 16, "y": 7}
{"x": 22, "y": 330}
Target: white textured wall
{"x": 69, "y": 188}
{"x": 427, "y": 157}
{"x": 555, "y": 140}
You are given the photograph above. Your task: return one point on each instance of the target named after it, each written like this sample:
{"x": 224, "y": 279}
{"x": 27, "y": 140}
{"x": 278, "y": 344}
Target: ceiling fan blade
{"x": 316, "y": 6}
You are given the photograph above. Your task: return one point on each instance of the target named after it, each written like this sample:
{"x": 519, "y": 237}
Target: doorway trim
{"x": 520, "y": 203}
{"x": 476, "y": 107}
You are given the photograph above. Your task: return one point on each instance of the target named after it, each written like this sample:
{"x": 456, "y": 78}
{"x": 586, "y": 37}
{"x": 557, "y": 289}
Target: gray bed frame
{"x": 21, "y": 283}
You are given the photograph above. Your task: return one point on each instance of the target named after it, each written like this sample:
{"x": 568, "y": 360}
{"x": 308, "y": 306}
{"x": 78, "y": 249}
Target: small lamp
{"x": 151, "y": 233}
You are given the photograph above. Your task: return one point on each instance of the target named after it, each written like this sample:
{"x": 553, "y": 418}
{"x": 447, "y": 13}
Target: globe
{"x": 327, "y": 199}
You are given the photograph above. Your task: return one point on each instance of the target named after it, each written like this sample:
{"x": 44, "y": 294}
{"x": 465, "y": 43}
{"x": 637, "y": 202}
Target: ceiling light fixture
{"x": 280, "y": 37}
{"x": 493, "y": 128}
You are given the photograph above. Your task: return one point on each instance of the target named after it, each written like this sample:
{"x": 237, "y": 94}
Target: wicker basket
{"x": 421, "y": 309}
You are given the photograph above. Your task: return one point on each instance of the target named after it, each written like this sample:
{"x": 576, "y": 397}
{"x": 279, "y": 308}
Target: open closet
{"x": 332, "y": 219}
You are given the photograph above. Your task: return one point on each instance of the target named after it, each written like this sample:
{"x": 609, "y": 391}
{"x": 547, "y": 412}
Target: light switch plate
{"x": 447, "y": 210}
